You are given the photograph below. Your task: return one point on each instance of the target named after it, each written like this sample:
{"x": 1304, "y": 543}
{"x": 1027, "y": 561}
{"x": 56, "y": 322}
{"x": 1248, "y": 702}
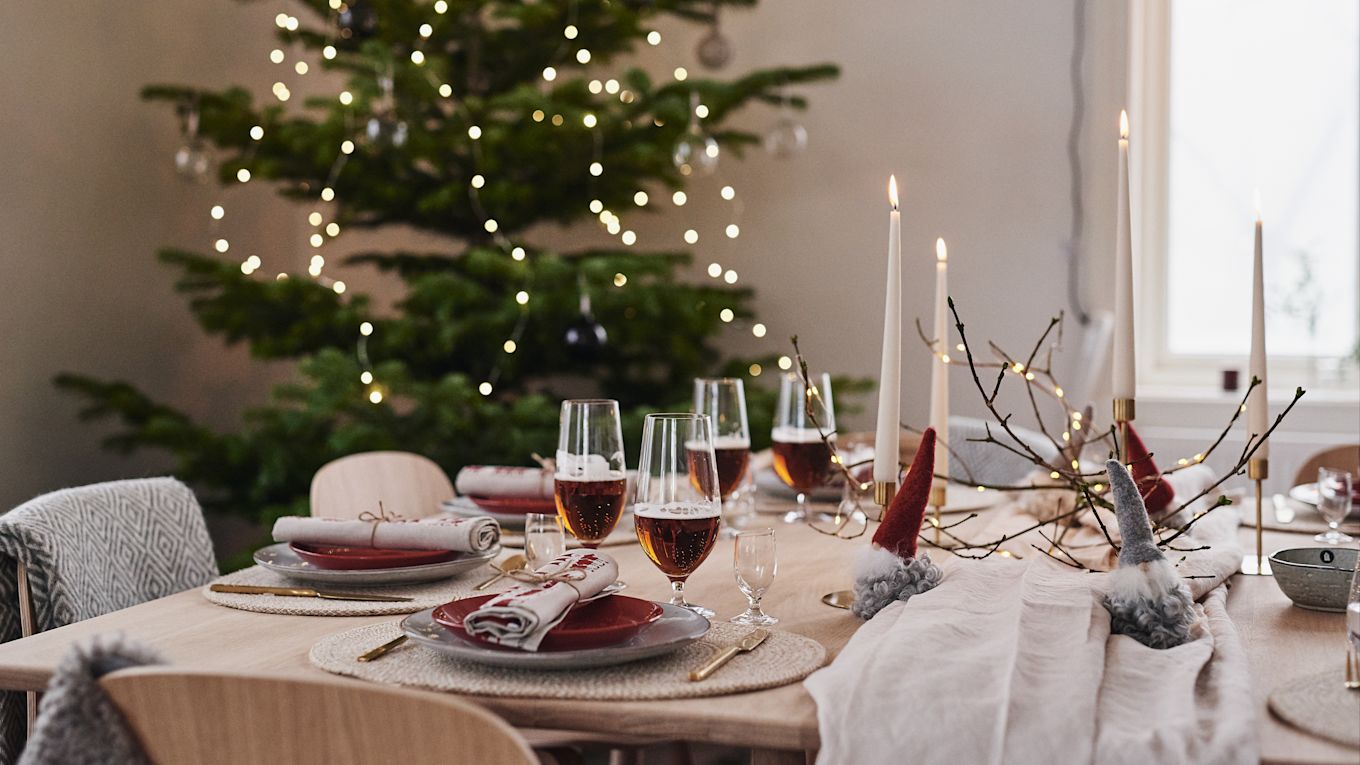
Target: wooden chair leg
{"x": 629, "y": 756}
{"x": 26, "y": 629}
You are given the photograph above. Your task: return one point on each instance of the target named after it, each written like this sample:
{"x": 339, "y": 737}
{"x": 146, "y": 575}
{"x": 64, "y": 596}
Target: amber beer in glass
{"x": 677, "y": 510}
{"x": 590, "y": 486}
{"x": 802, "y": 458}
{"x": 723, "y": 399}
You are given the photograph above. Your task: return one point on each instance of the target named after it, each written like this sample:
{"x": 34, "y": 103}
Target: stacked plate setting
{"x": 366, "y": 566}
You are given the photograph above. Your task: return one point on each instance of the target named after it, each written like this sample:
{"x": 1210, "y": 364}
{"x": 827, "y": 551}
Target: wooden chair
{"x": 209, "y": 718}
{"x": 1338, "y": 457}
{"x": 408, "y": 485}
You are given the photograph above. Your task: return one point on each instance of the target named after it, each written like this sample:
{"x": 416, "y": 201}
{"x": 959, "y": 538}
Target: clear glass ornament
{"x": 192, "y": 161}
{"x": 714, "y": 50}
{"x": 695, "y": 152}
{"x": 786, "y": 139}
{"x": 387, "y": 130}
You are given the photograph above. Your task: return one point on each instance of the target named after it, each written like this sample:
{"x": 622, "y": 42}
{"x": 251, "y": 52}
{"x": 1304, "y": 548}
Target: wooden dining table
{"x": 779, "y": 725}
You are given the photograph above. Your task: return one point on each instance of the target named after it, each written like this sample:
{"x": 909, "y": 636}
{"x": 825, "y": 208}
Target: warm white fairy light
{"x": 611, "y": 86}
{"x": 691, "y": 236}
{"x": 292, "y": 24}
{"x": 730, "y": 276}
{"x": 509, "y": 346}
{"x": 332, "y": 229}
{"x": 715, "y": 270}
{"x": 620, "y": 279}
{"x": 328, "y": 52}
{"x": 754, "y": 370}
{"x": 365, "y": 377}
{"x": 347, "y": 147}
{"x": 629, "y": 238}
{"x": 679, "y": 198}
{"x": 522, "y": 297}
{"x": 440, "y": 6}
{"x": 640, "y": 199}
{"x": 558, "y": 120}
{"x": 366, "y": 328}
{"x": 474, "y": 132}
{"x": 681, "y": 73}
{"x": 257, "y": 132}
{"x": 221, "y": 245}
{"x": 785, "y": 362}
{"x": 961, "y": 349}
{"x": 538, "y": 115}
{"x": 596, "y": 206}
{"x": 653, "y": 37}
{"x": 276, "y": 56}
{"x": 733, "y": 231}
{"x": 300, "y": 67}
{"x": 375, "y": 396}
{"x": 701, "y": 111}
{"x": 243, "y": 175}
{"x": 712, "y": 150}
{"x": 517, "y": 253}
{"x": 327, "y": 194}
{"x": 281, "y": 91}
{"x": 613, "y": 227}
{"x": 596, "y": 169}
{"x": 583, "y": 56}
{"x": 281, "y": 21}
{"x": 478, "y": 181}
{"x": 728, "y": 193}
{"x": 758, "y": 330}
{"x": 426, "y": 30}
{"x": 491, "y": 225}
{"x": 570, "y": 32}
{"x": 217, "y": 212}
{"x": 346, "y": 97}
{"x": 549, "y": 73}
{"x": 316, "y": 240}
{"x": 484, "y": 389}
{"x": 339, "y": 288}
{"x": 315, "y": 218}
{"x": 595, "y": 87}
{"x": 588, "y": 120}
{"x": 726, "y": 315}
{"x": 417, "y": 57}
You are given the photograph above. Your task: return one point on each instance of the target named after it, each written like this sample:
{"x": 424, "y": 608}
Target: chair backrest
{"x": 1339, "y": 457}
{"x": 407, "y": 484}
{"x": 990, "y": 464}
{"x": 209, "y": 718}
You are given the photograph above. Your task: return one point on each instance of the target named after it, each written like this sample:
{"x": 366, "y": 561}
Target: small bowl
{"x": 1316, "y": 578}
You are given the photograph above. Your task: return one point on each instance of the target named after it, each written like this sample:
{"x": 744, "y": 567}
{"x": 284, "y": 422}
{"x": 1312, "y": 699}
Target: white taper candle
{"x": 1258, "y": 407}
{"x": 890, "y": 372}
{"x": 939, "y": 368}
{"x": 1125, "y": 376}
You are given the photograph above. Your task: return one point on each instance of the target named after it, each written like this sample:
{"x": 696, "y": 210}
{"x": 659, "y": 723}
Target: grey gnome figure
{"x": 1147, "y": 600}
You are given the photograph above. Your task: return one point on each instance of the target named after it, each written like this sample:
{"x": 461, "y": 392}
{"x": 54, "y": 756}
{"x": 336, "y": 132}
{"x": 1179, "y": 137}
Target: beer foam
{"x": 721, "y": 442}
{"x": 673, "y": 511}
{"x": 791, "y": 435}
{"x": 586, "y": 467}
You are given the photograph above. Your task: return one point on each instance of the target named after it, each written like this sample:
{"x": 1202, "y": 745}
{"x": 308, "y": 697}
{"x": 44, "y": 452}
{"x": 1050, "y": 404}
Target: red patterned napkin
{"x": 521, "y": 616}
{"x": 438, "y": 533}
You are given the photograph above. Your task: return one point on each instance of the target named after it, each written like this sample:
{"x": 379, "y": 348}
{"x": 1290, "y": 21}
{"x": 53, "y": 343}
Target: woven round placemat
{"x": 782, "y": 659}
{"x": 425, "y": 596}
{"x": 1322, "y": 705}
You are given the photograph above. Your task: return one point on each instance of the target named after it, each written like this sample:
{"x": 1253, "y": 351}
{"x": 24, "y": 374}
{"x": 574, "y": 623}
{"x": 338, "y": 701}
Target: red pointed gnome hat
{"x": 902, "y": 520}
{"x": 1156, "y": 490}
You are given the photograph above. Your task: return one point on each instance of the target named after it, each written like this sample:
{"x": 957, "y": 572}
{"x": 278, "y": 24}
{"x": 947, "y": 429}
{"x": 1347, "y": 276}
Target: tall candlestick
{"x": 939, "y": 368}
{"x": 1257, "y": 404}
{"x": 1125, "y": 378}
{"x": 890, "y": 373}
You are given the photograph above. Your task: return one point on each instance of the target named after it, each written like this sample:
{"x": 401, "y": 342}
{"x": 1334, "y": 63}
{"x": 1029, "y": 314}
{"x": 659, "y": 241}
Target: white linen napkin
{"x": 503, "y": 481}
{"x": 437, "y": 533}
{"x": 522, "y": 616}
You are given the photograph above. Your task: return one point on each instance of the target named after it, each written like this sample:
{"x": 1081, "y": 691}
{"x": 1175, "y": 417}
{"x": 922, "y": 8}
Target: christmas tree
{"x": 474, "y": 120}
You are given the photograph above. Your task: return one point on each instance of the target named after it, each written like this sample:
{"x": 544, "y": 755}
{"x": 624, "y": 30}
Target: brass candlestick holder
{"x": 884, "y": 491}
{"x": 1124, "y": 411}
{"x": 1258, "y": 470}
{"x": 937, "y": 498}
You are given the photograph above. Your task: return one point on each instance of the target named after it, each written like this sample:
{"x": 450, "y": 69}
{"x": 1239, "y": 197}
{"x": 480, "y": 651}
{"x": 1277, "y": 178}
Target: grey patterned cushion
{"x": 989, "y": 463}
{"x": 92, "y": 550}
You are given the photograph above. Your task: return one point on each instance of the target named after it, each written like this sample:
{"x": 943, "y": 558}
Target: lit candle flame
{"x": 1256, "y": 200}
{"x": 1123, "y": 125}
{"x": 941, "y": 252}
{"x": 892, "y": 190}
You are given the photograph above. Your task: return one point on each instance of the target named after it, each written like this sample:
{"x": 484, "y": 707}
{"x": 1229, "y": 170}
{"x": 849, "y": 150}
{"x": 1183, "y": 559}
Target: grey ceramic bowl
{"x": 1316, "y": 578}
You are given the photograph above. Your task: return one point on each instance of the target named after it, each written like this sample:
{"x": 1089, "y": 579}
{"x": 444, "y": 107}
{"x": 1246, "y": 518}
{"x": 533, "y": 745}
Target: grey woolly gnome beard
{"x": 908, "y": 577}
{"x": 1147, "y": 599}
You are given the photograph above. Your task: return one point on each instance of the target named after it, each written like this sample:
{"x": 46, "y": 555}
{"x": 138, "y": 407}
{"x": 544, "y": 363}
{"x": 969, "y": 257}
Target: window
{"x": 1243, "y": 95}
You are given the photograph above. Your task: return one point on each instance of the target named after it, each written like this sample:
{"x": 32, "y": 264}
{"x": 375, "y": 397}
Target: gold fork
{"x": 1352, "y": 668}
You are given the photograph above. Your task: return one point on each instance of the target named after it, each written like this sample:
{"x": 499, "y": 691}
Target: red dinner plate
{"x": 598, "y": 624}
{"x": 515, "y": 504}
{"x": 343, "y": 557}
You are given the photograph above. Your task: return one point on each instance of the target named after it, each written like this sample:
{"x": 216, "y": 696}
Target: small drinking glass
{"x": 754, "y": 563}
{"x": 676, "y": 509}
{"x": 801, "y": 458}
{"x": 544, "y": 538}
{"x": 1334, "y": 502}
{"x": 590, "y": 486}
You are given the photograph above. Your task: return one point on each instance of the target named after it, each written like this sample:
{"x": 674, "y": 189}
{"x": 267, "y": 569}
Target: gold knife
{"x": 382, "y": 650}
{"x": 304, "y": 592}
{"x": 747, "y": 643}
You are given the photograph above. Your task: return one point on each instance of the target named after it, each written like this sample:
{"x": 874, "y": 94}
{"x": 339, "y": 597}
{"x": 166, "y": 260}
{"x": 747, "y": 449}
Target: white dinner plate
{"x": 1307, "y": 493}
{"x": 676, "y": 628}
{"x": 280, "y": 559}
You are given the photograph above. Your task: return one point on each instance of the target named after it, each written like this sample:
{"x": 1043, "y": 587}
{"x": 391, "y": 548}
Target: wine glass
{"x": 1353, "y": 609}
{"x": 724, "y": 401}
{"x": 754, "y": 563}
{"x": 801, "y": 458}
{"x": 677, "y": 509}
{"x": 544, "y": 538}
{"x": 590, "y": 485}
{"x": 1334, "y": 502}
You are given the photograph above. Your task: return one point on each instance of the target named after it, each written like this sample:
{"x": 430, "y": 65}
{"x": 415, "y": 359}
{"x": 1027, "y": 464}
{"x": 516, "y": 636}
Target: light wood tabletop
{"x": 1283, "y": 642}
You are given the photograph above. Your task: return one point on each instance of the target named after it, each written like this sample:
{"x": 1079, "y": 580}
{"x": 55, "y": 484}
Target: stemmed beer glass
{"x": 801, "y": 458}
{"x": 590, "y": 484}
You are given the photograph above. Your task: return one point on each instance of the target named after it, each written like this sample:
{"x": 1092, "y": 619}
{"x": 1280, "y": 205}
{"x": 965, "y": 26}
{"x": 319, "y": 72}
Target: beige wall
{"x": 966, "y": 100}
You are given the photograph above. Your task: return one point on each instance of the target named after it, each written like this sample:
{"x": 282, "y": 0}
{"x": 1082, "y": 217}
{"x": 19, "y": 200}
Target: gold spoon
{"x": 839, "y": 598}
{"x": 513, "y": 563}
